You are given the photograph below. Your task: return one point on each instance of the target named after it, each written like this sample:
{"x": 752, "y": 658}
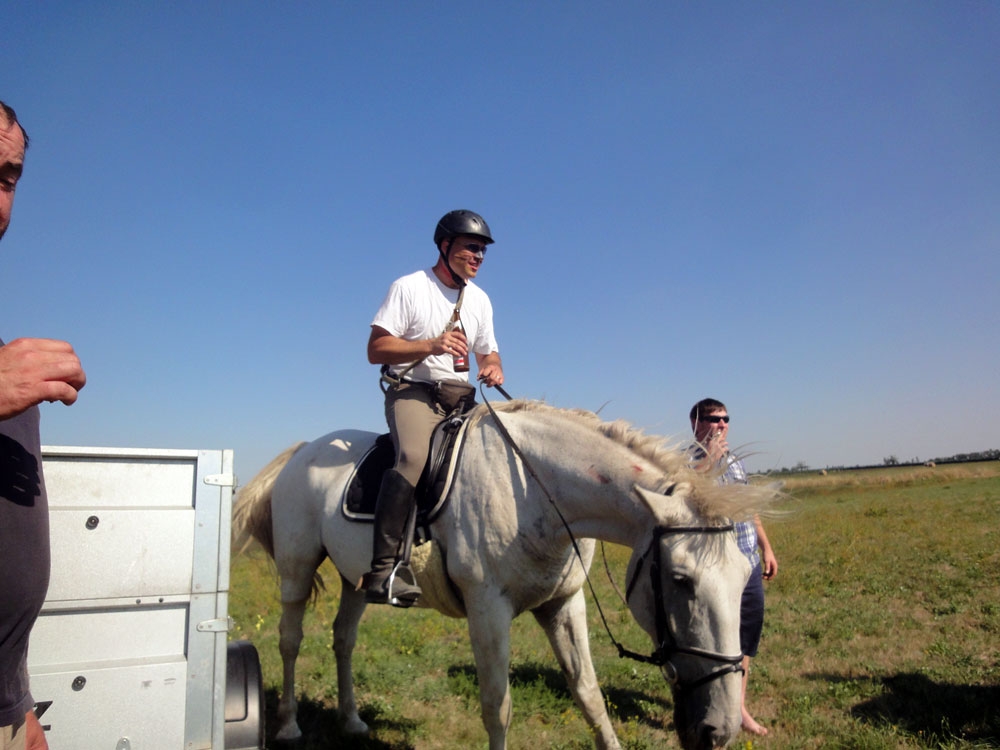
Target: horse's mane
{"x": 709, "y": 498}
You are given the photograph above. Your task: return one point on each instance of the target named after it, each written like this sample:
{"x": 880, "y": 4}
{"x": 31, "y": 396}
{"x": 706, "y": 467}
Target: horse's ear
{"x": 655, "y": 500}
{"x": 647, "y": 497}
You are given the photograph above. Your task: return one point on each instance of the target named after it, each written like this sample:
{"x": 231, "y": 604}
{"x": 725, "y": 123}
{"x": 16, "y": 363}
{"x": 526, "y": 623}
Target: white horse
{"x": 531, "y": 480}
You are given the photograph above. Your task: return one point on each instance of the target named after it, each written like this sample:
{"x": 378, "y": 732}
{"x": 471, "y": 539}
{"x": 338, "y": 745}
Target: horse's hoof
{"x": 354, "y": 725}
{"x": 288, "y": 733}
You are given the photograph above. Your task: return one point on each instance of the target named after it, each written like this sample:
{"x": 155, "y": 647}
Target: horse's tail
{"x": 252, "y": 510}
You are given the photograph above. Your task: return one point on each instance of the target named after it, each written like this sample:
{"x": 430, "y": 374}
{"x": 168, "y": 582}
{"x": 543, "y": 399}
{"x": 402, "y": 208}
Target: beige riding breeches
{"x": 412, "y": 413}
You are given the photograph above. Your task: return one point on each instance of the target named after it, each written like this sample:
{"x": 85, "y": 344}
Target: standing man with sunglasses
{"x": 413, "y": 338}
{"x": 710, "y": 422}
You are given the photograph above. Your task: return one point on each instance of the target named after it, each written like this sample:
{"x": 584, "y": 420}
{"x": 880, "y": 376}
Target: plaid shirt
{"x": 746, "y": 531}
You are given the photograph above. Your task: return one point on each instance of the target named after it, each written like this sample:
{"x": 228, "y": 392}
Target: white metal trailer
{"x": 129, "y": 651}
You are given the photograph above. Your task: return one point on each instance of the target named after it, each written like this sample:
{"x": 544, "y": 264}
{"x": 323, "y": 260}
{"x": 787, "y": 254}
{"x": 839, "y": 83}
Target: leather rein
{"x": 667, "y": 646}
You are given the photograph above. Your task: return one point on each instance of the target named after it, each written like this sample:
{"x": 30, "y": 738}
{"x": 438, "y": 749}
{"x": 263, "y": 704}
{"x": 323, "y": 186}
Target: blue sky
{"x": 789, "y": 206}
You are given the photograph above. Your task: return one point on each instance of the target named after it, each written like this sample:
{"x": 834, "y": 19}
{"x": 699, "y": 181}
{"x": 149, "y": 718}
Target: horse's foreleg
{"x": 290, "y": 637}
{"x": 345, "y": 635}
{"x": 489, "y": 631}
{"x": 565, "y": 623}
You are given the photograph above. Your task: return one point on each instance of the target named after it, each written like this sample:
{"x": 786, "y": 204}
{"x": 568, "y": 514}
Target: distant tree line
{"x": 958, "y": 458}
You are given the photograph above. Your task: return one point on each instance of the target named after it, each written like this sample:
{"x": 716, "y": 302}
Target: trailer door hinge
{"x": 220, "y": 625}
{"x": 221, "y": 480}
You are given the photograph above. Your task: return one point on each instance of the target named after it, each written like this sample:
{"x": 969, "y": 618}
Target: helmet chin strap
{"x": 447, "y": 263}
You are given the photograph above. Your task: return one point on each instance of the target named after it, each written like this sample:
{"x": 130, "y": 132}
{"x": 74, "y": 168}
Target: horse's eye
{"x": 682, "y": 581}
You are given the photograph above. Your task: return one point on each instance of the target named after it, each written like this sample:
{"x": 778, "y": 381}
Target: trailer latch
{"x": 219, "y": 625}
{"x": 221, "y": 480}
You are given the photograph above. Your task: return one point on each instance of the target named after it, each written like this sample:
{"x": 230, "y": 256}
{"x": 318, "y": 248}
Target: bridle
{"x": 667, "y": 646}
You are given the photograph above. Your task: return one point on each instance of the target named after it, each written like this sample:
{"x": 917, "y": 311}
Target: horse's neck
{"x": 587, "y": 476}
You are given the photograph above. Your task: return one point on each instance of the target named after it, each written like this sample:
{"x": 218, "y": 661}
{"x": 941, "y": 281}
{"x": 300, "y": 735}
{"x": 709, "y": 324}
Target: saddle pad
{"x": 362, "y": 490}
{"x": 427, "y": 564}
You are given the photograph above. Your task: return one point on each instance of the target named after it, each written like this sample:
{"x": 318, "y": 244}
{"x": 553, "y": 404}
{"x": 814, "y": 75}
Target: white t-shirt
{"x": 419, "y": 306}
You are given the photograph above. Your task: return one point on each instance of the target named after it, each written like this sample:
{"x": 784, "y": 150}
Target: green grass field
{"x": 882, "y": 631}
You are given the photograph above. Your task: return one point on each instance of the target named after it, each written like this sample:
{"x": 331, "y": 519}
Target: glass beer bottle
{"x": 460, "y": 362}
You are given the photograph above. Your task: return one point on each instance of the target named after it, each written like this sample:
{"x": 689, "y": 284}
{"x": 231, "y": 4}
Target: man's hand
{"x": 769, "y": 563}
{"x": 716, "y": 446}
{"x": 490, "y": 369}
{"x": 37, "y": 370}
{"x": 34, "y": 735}
{"x": 451, "y": 342}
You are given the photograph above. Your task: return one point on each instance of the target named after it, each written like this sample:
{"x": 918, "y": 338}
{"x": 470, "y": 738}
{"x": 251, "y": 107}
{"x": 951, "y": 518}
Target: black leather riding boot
{"x": 383, "y": 584}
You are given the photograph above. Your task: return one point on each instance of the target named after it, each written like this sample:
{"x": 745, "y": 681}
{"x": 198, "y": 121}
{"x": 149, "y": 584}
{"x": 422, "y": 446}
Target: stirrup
{"x": 401, "y": 586}
{"x": 401, "y": 591}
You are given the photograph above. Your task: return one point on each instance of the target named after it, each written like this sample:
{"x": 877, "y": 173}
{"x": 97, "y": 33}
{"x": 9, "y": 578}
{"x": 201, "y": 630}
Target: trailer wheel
{"x": 244, "y": 698}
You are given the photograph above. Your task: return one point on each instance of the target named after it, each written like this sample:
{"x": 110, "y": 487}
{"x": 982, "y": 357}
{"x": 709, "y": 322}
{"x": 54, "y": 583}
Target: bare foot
{"x": 751, "y": 726}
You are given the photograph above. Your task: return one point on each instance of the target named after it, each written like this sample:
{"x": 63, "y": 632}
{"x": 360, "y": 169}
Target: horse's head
{"x": 684, "y": 589}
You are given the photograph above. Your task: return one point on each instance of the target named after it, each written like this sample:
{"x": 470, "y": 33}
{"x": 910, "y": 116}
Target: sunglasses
{"x": 716, "y": 419}
{"x": 475, "y": 248}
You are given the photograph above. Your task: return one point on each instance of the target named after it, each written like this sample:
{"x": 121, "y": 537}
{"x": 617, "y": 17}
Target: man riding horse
{"x": 415, "y": 338}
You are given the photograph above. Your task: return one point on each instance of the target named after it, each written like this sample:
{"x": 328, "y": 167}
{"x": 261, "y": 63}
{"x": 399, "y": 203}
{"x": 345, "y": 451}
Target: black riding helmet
{"x": 459, "y": 222}
{"x": 454, "y": 223}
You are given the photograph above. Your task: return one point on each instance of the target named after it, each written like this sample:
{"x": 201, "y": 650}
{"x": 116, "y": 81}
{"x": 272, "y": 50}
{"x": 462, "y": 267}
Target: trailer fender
{"x": 244, "y": 698}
